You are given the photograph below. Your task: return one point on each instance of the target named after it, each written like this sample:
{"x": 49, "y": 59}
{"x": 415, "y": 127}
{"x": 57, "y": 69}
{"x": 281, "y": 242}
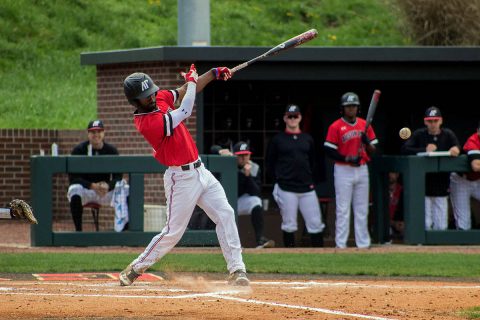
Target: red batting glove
{"x": 221, "y": 73}
{"x": 191, "y": 75}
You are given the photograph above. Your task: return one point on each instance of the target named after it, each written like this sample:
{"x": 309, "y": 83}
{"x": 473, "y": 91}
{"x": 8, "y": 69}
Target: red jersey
{"x": 472, "y": 148}
{"x": 345, "y": 137}
{"x": 171, "y": 146}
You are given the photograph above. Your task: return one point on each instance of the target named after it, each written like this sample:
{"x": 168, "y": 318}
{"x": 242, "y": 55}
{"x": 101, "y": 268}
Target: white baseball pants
{"x": 89, "y": 195}
{"x": 436, "y": 213}
{"x": 246, "y": 203}
{"x": 290, "y": 202}
{"x": 351, "y": 189}
{"x": 461, "y": 190}
{"x": 183, "y": 190}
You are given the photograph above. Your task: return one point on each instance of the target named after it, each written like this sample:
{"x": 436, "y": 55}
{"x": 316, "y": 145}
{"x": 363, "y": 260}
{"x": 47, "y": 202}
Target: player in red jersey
{"x": 463, "y": 186}
{"x": 187, "y": 182}
{"x": 350, "y": 147}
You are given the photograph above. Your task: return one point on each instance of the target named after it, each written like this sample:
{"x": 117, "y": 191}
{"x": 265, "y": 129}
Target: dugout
{"x": 250, "y": 105}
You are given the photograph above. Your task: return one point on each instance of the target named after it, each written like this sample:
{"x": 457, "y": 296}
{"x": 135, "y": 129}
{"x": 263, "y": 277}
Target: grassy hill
{"x": 42, "y": 84}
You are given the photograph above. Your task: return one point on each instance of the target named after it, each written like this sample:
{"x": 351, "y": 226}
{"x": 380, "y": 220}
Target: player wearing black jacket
{"x": 91, "y": 187}
{"x": 249, "y": 192}
{"x": 290, "y": 162}
{"x": 430, "y": 139}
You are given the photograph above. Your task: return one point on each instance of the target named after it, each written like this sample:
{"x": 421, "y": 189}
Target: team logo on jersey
{"x": 351, "y": 135}
{"x": 145, "y": 85}
{"x": 343, "y": 128}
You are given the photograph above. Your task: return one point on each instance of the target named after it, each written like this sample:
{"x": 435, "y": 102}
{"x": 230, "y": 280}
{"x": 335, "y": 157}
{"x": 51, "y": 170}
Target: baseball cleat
{"x": 238, "y": 278}
{"x": 265, "y": 243}
{"x": 128, "y": 276}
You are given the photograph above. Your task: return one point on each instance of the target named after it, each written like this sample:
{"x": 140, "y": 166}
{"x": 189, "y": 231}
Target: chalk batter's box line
{"x": 224, "y": 295}
{"x": 90, "y": 276}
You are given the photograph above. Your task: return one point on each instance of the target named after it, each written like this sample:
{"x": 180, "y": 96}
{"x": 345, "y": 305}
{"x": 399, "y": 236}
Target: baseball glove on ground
{"x": 19, "y": 209}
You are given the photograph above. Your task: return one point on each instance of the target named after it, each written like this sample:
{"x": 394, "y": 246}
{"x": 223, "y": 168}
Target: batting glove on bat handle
{"x": 191, "y": 75}
{"x": 222, "y": 73}
{"x": 365, "y": 139}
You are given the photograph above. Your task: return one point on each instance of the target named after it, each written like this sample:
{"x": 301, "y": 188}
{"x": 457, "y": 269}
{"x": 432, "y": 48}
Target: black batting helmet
{"x": 137, "y": 86}
{"x": 348, "y": 99}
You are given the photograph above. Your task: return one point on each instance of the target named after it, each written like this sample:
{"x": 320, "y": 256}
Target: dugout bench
{"x": 413, "y": 170}
{"x": 44, "y": 167}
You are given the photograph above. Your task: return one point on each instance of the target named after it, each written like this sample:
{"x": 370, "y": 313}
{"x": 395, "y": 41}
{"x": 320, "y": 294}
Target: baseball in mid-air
{"x": 405, "y": 133}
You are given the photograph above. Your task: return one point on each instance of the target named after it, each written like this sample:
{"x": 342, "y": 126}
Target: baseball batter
{"x": 350, "y": 147}
{"x": 291, "y": 161}
{"x": 466, "y": 185}
{"x": 187, "y": 182}
{"x": 434, "y": 138}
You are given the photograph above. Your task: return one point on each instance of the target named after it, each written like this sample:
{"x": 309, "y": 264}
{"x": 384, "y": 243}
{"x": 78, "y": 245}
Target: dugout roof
{"x": 317, "y": 63}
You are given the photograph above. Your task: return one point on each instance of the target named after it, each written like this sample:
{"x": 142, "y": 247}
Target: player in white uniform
{"x": 186, "y": 181}
{"x": 350, "y": 147}
{"x": 464, "y": 186}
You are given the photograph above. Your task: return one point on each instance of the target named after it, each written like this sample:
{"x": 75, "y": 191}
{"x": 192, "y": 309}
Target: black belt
{"x": 196, "y": 164}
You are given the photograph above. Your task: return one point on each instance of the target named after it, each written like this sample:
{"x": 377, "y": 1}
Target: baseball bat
{"x": 372, "y": 108}
{"x": 371, "y": 112}
{"x": 291, "y": 43}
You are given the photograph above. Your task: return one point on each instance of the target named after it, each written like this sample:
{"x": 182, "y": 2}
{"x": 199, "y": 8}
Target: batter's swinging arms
{"x": 187, "y": 182}
{"x": 345, "y": 137}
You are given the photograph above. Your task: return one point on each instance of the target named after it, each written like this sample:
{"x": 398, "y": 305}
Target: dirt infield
{"x": 207, "y": 296}
{"x": 188, "y": 297}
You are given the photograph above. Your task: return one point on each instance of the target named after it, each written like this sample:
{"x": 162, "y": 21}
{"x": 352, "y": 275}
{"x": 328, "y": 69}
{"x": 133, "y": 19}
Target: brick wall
{"x": 17, "y": 145}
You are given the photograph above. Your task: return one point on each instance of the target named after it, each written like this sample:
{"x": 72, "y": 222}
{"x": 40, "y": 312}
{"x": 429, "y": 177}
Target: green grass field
{"x": 42, "y": 84}
{"x": 449, "y": 265}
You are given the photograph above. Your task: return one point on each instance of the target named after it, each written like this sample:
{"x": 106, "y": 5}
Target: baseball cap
{"x": 432, "y": 113}
{"x": 241, "y": 147}
{"x": 95, "y": 125}
{"x": 292, "y": 108}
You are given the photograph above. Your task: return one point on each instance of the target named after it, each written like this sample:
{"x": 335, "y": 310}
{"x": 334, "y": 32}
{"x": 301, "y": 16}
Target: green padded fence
{"x": 413, "y": 170}
{"x": 44, "y": 167}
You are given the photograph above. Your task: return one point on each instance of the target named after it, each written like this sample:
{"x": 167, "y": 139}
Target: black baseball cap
{"x": 432, "y": 113}
{"x": 292, "y": 108}
{"x": 350, "y": 99}
{"x": 241, "y": 147}
{"x": 95, "y": 125}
